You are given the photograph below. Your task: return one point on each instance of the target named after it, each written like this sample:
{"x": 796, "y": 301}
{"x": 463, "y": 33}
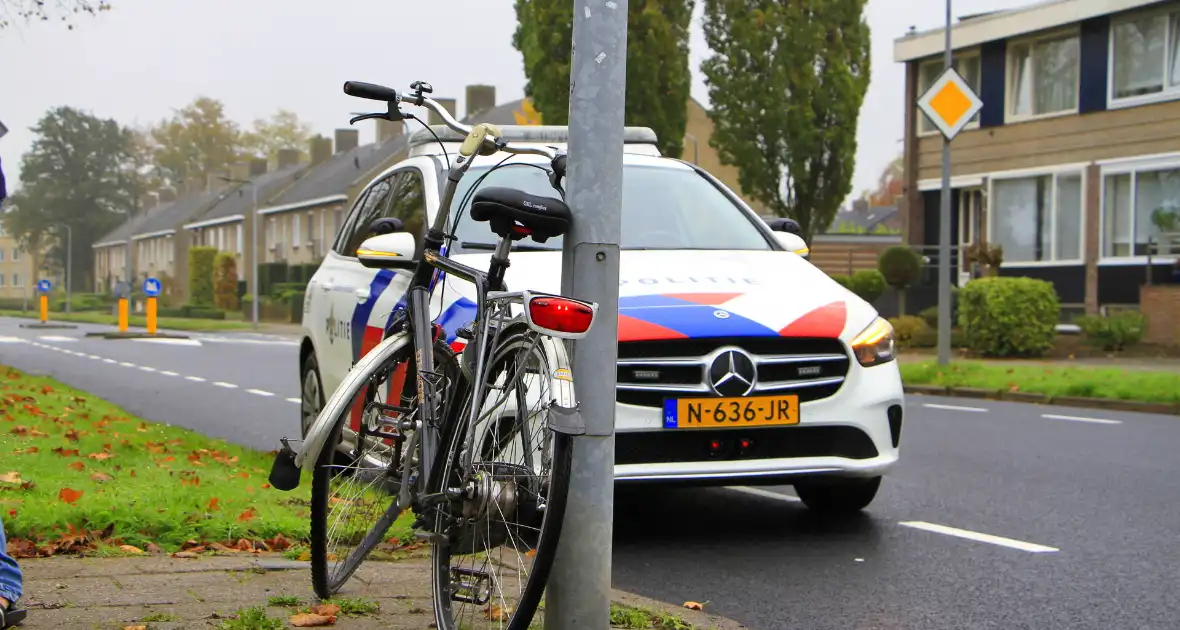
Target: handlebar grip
{"x": 559, "y": 166}
{"x": 371, "y": 91}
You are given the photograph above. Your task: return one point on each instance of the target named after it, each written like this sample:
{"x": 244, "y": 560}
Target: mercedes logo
{"x": 733, "y": 373}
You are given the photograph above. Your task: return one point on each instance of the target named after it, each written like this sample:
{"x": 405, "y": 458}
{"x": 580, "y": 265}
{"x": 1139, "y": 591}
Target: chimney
{"x": 258, "y": 166}
{"x": 213, "y": 181}
{"x": 320, "y": 149}
{"x": 448, "y": 104}
{"x": 240, "y": 171}
{"x": 347, "y": 139}
{"x": 167, "y": 195}
{"x": 480, "y": 98}
{"x": 387, "y": 129}
{"x": 288, "y": 157}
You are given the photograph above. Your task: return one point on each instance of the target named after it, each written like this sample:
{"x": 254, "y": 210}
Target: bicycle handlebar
{"x": 374, "y": 92}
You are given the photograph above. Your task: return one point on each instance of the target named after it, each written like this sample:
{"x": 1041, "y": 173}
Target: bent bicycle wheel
{"x": 512, "y": 474}
{"x": 358, "y": 474}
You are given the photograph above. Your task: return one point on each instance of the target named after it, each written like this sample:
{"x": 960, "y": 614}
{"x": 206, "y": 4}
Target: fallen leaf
{"x": 69, "y": 495}
{"x": 304, "y": 556}
{"x": 26, "y": 451}
{"x": 248, "y": 515}
{"x": 495, "y": 613}
{"x": 307, "y": 620}
{"x": 694, "y": 605}
{"x": 213, "y": 507}
{"x": 154, "y": 548}
{"x": 72, "y": 435}
{"x": 36, "y": 433}
{"x": 11, "y": 477}
{"x": 134, "y": 627}
{"x": 72, "y": 452}
{"x": 75, "y": 465}
{"x": 100, "y": 477}
{"x": 184, "y": 554}
{"x": 142, "y": 427}
{"x": 19, "y": 430}
{"x": 327, "y": 610}
{"x": 130, "y": 549}
{"x": 100, "y": 456}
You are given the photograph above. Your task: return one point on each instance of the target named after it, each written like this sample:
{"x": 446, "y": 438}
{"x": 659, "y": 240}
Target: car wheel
{"x": 311, "y": 394}
{"x": 838, "y": 496}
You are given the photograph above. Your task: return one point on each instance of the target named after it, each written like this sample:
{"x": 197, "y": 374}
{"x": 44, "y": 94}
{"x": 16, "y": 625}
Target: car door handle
{"x": 325, "y": 286}
{"x": 362, "y": 295}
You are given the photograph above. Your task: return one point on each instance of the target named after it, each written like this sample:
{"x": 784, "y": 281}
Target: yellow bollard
{"x": 123, "y": 315}
{"x": 151, "y": 315}
{"x": 44, "y": 308}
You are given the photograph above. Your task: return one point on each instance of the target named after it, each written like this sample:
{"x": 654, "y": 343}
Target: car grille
{"x": 650, "y": 371}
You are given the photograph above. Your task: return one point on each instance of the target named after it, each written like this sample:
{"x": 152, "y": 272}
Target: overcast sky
{"x": 142, "y": 59}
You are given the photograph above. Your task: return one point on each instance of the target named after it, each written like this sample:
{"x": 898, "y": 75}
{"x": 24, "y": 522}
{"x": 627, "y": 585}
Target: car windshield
{"x": 663, "y": 208}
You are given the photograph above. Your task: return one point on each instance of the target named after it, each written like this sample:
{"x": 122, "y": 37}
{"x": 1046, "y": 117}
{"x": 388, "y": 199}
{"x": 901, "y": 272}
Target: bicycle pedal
{"x": 467, "y": 331}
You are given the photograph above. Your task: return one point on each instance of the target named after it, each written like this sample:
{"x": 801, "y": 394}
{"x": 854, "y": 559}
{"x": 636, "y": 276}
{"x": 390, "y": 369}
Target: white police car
{"x": 740, "y": 363}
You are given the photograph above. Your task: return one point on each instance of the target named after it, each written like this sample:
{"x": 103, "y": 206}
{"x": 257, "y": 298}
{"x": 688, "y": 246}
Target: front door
{"x": 970, "y": 203}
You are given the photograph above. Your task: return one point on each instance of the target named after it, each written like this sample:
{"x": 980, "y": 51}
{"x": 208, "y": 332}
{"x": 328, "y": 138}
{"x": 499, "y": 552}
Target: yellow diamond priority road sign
{"x": 950, "y": 103}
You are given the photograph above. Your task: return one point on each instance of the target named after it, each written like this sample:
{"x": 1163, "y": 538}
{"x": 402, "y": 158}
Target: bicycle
{"x": 439, "y": 451}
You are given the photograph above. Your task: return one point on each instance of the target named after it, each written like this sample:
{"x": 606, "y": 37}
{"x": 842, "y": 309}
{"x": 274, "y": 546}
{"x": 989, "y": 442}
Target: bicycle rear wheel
{"x": 514, "y": 474}
{"x": 354, "y": 502}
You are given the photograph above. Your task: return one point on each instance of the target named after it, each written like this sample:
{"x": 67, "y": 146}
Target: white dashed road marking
{"x": 109, "y": 361}
{"x": 11, "y": 340}
{"x": 170, "y": 342}
{"x": 976, "y": 536}
{"x": 259, "y": 392}
{"x": 56, "y": 338}
{"x": 224, "y": 384}
{"x": 168, "y": 373}
{"x": 1053, "y": 416}
{"x": 954, "y": 408}
{"x": 294, "y": 400}
{"x": 126, "y": 364}
{"x": 758, "y": 492}
{"x": 195, "y": 379}
{"x": 147, "y": 369}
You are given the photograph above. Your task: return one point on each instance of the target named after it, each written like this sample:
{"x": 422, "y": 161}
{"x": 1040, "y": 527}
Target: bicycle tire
{"x": 325, "y": 581}
{"x": 550, "y": 530}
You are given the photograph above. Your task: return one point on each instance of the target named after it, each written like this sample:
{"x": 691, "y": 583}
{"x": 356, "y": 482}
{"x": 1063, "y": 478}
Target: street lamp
{"x": 253, "y": 246}
{"x": 69, "y": 261}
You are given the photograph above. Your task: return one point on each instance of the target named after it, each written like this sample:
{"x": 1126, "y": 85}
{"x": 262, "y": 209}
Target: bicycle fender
{"x": 564, "y": 416}
{"x": 344, "y": 396}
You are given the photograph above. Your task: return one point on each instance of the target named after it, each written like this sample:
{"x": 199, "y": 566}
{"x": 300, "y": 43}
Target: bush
{"x": 843, "y": 280}
{"x": 912, "y": 331}
{"x": 930, "y": 315}
{"x": 1116, "y": 332}
{"x": 869, "y": 284}
{"x": 900, "y": 266}
{"x": 225, "y": 282}
{"x": 1008, "y": 316}
{"x": 200, "y": 275}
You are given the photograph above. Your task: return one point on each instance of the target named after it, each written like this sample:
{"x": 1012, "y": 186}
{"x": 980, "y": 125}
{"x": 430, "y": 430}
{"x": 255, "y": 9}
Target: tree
{"x": 80, "y": 171}
{"x": 197, "y": 141}
{"x": 658, "y": 74}
{"x": 36, "y": 10}
{"x": 283, "y": 130}
{"x": 901, "y": 267}
{"x": 786, "y": 81}
{"x": 889, "y": 185}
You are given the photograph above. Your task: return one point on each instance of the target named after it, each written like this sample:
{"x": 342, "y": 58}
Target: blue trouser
{"x": 10, "y": 576}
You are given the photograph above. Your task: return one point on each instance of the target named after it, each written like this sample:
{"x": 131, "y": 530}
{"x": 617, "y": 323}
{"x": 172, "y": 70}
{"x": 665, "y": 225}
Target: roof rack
{"x": 527, "y": 133}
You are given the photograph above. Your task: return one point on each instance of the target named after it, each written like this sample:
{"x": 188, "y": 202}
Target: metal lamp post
{"x": 253, "y": 247}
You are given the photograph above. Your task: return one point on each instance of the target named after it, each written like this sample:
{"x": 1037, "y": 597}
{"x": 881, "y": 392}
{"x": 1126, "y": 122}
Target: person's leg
{"x": 11, "y": 581}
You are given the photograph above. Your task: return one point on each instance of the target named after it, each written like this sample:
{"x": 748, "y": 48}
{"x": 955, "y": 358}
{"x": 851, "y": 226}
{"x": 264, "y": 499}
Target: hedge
{"x": 1008, "y": 316}
{"x": 200, "y": 279}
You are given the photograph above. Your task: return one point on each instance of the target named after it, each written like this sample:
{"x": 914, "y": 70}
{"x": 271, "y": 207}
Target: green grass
{"x": 623, "y": 616}
{"x": 135, "y": 321}
{"x": 1106, "y": 383}
{"x": 78, "y": 474}
{"x": 253, "y": 618}
{"x": 284, "y": 601}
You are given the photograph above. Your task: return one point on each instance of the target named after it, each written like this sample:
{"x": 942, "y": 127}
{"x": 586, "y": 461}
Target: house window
{"x": 967, "y": 65}
{"x": 1138, "y": 208}
{"x": 2, "y": 278}
{"x": 17, "y": 281}
{"x": 240, "y": 239}
{"x": 1145, "y": 57}
{"x": 1, "y": 255}
{"x": 295, "y": 230}
{"x": 1038, "y": 219}
{"x": 15, "y": 254}
{"x": 1043, "y": 76}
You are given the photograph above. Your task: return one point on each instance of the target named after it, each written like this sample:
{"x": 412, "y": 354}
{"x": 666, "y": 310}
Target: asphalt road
{"x": 1000, "y": 515}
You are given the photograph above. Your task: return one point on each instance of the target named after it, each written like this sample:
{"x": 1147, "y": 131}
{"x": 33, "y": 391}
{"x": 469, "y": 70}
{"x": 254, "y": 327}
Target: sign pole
{"x": 122, "y": 314}
{"x": 151, "y": 290}
{"x": 944, "y": 226}
{"x": 578, "y": 594}
{"x": 44, "y": 308}
{"x": 150, "y": 306}
{"x": 43, "y": 287}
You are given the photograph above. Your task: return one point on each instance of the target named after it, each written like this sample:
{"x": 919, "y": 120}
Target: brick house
{"x": 1077, "y": 144}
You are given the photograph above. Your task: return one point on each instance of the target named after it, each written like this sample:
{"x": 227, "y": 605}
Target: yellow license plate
{"x": 714, "y": 413}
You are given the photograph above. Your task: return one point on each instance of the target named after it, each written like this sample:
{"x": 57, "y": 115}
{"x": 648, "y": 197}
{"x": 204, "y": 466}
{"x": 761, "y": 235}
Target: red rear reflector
{"x": 715, "y": 445}
{"x": 560, "y": 314}
{"x": 745, "y": 444}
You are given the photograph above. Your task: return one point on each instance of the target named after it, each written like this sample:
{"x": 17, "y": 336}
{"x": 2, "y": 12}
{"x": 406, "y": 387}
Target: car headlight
{"x": 875, "y": 344}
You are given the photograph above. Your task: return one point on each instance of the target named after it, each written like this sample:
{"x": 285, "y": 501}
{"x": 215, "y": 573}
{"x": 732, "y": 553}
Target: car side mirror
{"x": 793, "y": 243}
{"x": 388, "y": 251}
{"x": 386, "y": 225}
{"x": 784, "y": 224}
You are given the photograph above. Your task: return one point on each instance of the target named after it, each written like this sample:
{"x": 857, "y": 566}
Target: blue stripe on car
{"x": 691, "y": 319}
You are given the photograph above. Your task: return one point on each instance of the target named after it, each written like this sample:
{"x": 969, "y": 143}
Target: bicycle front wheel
{"x": 359, "y": 472}
{"x": 512, "y": 471}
